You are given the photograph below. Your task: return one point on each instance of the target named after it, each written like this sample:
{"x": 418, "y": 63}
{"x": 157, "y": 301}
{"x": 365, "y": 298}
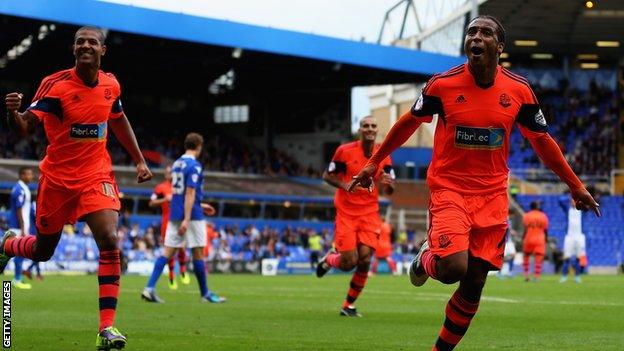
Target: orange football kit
{"x": 357, "y": 214}
{"x": 76, "y": 173}
{"x": 468, "y": 172}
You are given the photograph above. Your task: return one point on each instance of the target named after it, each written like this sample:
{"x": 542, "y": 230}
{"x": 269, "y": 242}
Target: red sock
{"x": 22, "y": 247}
{"x": 538, "y": 265}
{"x": 525, "y": 264}
{"x": 374, "y": 266}
{"x": 182, "y": 261}
{"x": 355, "y": 288}
{"x": 459, "y": 313}
{"x": 391, "y": 264}
{"x": 333, "y": 260}
{"x": 109, "y": 272}
{"x": 429, "y": 262}
{"x": 171, "y": 265}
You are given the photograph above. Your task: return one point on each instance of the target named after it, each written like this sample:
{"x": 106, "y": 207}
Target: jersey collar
{"x": 188, "y": 156}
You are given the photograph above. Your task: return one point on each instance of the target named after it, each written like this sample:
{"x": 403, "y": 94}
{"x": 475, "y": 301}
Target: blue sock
{"x": 565, "y": 268}
{"x": 159, "y": 265}
{"x": 511, "y": 266}
{"x": 199, "y": 267}
{"x": 18, "y": 267}
{"x": 577, "y": 267}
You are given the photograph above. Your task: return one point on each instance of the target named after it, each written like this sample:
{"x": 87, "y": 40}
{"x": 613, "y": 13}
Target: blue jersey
{"x": 186, "y": 173}
{"x": 20, "y": 201}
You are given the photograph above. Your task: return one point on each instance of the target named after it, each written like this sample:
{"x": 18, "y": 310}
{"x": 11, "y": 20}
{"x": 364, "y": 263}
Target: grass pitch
{"x": 301, "y": 313}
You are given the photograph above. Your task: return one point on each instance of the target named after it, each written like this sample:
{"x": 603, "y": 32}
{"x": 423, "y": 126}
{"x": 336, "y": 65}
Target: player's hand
{"x": 208, "y": 210}
{"x": 584, "y": 201}
{"x": 13, "y": 102}
{"x": 386, "y": 179}
{"x": 364, "y": 179}
{"x": 183, "y": 227}
{"x": 143, "y": 173}
{"x": 168, "y": 197}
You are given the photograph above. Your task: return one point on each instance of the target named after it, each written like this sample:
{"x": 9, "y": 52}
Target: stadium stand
{"x": 221, "y": 153}
{"x": 581, "y": 117}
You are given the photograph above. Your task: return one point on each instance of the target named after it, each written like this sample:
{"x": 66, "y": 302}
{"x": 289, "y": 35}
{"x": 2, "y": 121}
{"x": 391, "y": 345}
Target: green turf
{"x": 301, "y": 313}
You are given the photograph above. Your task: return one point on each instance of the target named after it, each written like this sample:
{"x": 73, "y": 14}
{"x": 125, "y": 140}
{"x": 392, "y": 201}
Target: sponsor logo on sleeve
{"x": 479, "y": 138}
{"x": 332, "y": 167}
{"x": 539, "y": 118}
{"x": 88, "y": 132}
{"x": 419, "y": 103}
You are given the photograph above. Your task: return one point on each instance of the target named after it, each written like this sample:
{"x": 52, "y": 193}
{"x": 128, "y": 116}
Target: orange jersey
{"x": 162, "y": 190}
{"x": 347, "y": 162}
{"x": 471, "y": 142}
{"x": 75, "y": 118}
{"x": 535, "y": 223}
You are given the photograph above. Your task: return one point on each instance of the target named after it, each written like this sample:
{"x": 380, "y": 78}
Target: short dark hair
{"x": 23, "y": 170}
{"x": 500, "y": 30}
{"x": 192, "y": 141}
{"x": 98, "y": 30}
{"x": 534, "y": 205}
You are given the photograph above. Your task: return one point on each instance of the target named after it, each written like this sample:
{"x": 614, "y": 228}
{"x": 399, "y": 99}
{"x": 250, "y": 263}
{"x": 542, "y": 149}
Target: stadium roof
{"x": 561, "y": 26}
{"x": 215, "y": 32}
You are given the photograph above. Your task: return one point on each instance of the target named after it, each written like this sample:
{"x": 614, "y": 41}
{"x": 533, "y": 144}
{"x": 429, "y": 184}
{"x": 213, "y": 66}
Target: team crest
{"x": 444, "y": 241}
{"x": 504, "y": 100}
{"x": 107, "y": 94}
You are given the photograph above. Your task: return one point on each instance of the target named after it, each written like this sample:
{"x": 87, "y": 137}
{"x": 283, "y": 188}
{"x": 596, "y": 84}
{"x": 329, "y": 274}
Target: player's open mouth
{"x": 476, "y": 51}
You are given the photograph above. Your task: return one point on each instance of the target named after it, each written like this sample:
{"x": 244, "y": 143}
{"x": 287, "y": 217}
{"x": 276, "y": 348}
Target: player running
{"x": 76, "y": 107}
{"x": 161, "y": 197}
{"x": 534, "y": 240}
{"x": 477, "y": 104}
{"x": 357, "y": 213}
{"x": 384, "y": 249}
{"x": 573, "y": 243}
{"x": 19, "y": 218}
{"x": 186, "y": 224}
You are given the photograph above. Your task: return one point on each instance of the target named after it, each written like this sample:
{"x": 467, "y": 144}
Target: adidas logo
{"x": 460, "y": 99}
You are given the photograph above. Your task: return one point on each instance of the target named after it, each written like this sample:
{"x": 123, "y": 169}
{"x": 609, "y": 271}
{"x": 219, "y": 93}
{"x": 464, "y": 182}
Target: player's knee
{"x": 452, "y": 272}
{"x": 349, "y": 262}
{"x": 107, "y": 241}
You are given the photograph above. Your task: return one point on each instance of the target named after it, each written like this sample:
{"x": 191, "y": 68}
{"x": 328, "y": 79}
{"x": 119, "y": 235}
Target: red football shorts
{"x": 352, "y": 231}
{"x": 534, "y": 247}
{"x": 477, "y": 223}
{"x": 383, "y": 249}
{"x": 60, "y": 204}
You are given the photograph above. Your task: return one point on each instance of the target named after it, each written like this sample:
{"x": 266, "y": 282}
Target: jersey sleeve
{"x": 193, "y": 175}
{"x": 337, "y": 164}
{"x": 158, "y": 193}
{"x": 429, "y": 102}
{"x": 545, "y": 222}
{"x": 18, "y": 197}
{"x": 530, "y": 119}
{"x": 47, "y": 101}
{"x": 117, "y": 108}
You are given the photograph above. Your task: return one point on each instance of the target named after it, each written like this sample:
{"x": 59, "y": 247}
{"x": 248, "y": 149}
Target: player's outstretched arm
{"x": 550, "y": 154}
{"x": 25, "y": 122}
{"x": 398, "y": 134}
{"x": 124, "y": 133}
